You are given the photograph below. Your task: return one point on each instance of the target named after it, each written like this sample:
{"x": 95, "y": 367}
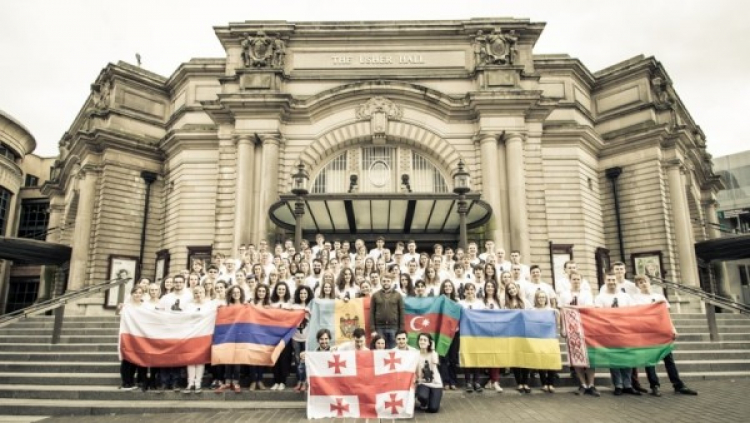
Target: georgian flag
{"x": 361, "y": 384}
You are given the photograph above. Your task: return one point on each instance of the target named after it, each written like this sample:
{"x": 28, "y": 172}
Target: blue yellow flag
{"x": 510, "y": 338}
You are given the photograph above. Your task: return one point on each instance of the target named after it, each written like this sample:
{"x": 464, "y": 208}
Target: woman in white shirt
{"x": 546, "y": 377}
{"x": 195, "y": 371}
{"x": 429, "y": 383}
{"x": 471, "y": 302}
{"x": 280, "y": 297}
{"x": 514, "y": 301}
{"x": 493, "y": 301}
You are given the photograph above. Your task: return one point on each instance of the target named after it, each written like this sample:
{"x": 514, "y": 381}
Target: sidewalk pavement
{"x": 718, "y": 400}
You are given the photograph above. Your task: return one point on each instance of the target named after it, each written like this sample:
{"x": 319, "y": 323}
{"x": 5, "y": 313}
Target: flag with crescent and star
{"x": 438, "y": 316}
{"x": 361, "y": 384}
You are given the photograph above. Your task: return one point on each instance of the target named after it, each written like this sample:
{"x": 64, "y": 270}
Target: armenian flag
{"x": 252, "y": 335}
{"x": 510, "y": 338}
{"x": 437, "y": 316}
{"x": 618, "y": 337}
{"x": 340, "y": 317}
{"x": 157, "y": 338}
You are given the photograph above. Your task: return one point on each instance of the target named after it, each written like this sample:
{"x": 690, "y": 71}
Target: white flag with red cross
{"x": 361, "y": 384}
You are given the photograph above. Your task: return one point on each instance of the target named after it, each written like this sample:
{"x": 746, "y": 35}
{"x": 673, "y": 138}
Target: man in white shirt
{"x": 576, "y": 295}
{"x": 647, "y": 296}
{"x": 613, "y": 298}
{"x": 501, "y": 264}
{"x": 536, "y": 284}
{"x": 623, "y": 285}
{"x": 179, "y": 297}
{"x": 471, "y": 251}
{"x": 411, "y": 253}
{"x": 563, "y": 284}
{"x": 515, "y": 258}
{"x": 377, "y": 252}
{"x": 489, "y": 249}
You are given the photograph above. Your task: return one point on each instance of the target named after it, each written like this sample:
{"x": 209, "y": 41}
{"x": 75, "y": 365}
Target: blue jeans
{"x": 389, "y": 335}
{"x": 622, "y": 378}
{"x": 301, "y": 371}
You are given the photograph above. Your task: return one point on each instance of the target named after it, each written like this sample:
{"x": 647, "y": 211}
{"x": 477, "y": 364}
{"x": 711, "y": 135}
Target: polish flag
{"x": 361, "y": 384}
{"x": 157, "y": 338}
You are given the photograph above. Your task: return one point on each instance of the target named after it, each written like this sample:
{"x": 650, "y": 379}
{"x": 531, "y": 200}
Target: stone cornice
{"x": 207, "y": 139}
{"x": 197, "y": 67}
{"x": 556, "y": 64}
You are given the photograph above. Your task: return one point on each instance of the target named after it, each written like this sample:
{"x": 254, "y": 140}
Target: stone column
{"x": 245, "y": 171}
{"x": 82, "y": 232}
{"x": 714, "y": 232}
{"x": 48, "y": 272}
{"x": 682, "y": 228}
{"x": 519, "y": 225}
{"x": 269, "y": 184}
{"x": 491, "y": 186}
{"x": 502, "y": 182}
{"x": 255, "y": 201}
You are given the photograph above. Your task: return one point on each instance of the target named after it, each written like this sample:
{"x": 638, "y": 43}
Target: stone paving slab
{"x": 718, "y": 400}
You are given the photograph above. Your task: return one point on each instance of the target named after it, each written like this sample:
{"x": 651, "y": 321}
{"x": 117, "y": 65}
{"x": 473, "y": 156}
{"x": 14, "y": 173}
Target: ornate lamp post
{"x": 299, "y": 188}
{"x": 462, "y": 186}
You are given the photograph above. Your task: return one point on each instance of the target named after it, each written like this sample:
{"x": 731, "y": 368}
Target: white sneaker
{"x": 281, "y": 387}
{"x": 497, "y": 387}
{"x": 275, "y": 386}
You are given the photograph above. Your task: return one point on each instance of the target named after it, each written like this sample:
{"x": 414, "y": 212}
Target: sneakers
{"x": 128, "y": 388}
{"x": 469, "y": 388}
{"x": 275, "y": 386}
{"x": 593, "y": 392}
{"x": 190, "y": 389}
{"x": 618, "y": 391}
{"x": 685, "y": 391}
{"x": 631, "y": 391}
{"x": 581, "y": 390}
{"x": 497, "y": 386}
{"x": 281, "y": 387}
{"x": 197, "y": 390}
{"x": 478, "y": 387}
{"x": 655, "y": 391}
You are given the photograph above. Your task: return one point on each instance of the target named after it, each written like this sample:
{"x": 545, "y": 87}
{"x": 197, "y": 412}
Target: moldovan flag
{"x": 361, "y": 384}
{"x": 437, "y": 316}
{"x": 340, "y": 317}
{"x": 510, "y": 338}
{"x": 253, "y": 335}
{"x": 157, "y": 338}
{"x": 623, "y": 337}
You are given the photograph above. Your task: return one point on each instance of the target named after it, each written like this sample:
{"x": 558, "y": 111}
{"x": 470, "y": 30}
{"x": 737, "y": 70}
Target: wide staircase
{"x": 80, "y": 375}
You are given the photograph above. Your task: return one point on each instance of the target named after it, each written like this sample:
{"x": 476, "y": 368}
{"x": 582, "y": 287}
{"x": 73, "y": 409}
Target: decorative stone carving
{"x": 261, "y": 51}
{"x": 495, "y": 48}
{"x": 100, "y": 94}
{"x": 379, "y": 110}
{"x": 663, "y": 99}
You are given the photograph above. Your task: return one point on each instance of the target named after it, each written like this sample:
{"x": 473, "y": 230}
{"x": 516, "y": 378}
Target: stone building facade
{"x": 380, "y": 113}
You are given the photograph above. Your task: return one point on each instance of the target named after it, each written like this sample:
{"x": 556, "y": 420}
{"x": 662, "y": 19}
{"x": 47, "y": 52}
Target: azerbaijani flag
{"x": 510, "y": 338}
{"x": 252, "y": 335}
{"x": 437, "y": 316}
{"x": 157, "y": 338}
{"x": 618, "y": 337}
{"x": 340, "y": 317}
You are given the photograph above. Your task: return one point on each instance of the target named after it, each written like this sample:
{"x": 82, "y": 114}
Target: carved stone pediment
{"x": 496, "y": 48}
{"x": 262, "y": 51}
{"x": 379, "y": 110}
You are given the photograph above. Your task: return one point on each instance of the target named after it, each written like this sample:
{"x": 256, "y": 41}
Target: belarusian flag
{"x": 618, "y": 337}
{"x": 437, "y": 316}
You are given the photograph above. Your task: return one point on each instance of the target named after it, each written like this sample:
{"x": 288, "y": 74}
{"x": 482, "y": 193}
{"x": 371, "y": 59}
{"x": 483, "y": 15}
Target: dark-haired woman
{"x": 429, "y": 384}
{"x": 261, "y": 299}
{"x": 280, "y": 297}
{"x": 229, "y": 374}
{"x": 302, "y": 299}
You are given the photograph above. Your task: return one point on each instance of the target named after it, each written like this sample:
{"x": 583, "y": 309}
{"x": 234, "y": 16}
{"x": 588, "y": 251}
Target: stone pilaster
{"x": 502, "y": 182}
{"x": 682, "y": 227}
{"x": 82, "y": 235}
{"x": 519, "y": 226}
{"x": 269, "y": 184}
{"x": 490, "y": 184}
{"x": 245, "y": 172}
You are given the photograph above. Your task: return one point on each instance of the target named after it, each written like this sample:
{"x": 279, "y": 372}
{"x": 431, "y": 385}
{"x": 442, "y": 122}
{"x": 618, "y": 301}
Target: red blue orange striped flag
{"x": 252, "y": 335}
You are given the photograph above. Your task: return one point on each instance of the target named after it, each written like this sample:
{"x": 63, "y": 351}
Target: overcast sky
{"x": 51, "y": 51}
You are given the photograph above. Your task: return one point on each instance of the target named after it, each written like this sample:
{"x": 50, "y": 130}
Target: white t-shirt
{"x": 607, "y": 300}
{"x": 169, "y": 300}
{"x": 529, "y": 291}
{"x": 641, "y": 299}
{"x": 563, "y": 285}
{"x": 477, "y": 304}
{"x": 625, "y": 286}
{"x": 432, "y": 360}
{"x": 583, "y": 298}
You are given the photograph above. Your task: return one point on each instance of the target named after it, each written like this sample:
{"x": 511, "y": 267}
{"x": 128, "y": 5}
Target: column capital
{"x": 245, "y": 139}
{"x": 514, "y": 136}
{"x": 274, "y": 139}
{"x": 488, "y": 136}
{"x": 674, "y": 163}
{"x": 89, "y": 169}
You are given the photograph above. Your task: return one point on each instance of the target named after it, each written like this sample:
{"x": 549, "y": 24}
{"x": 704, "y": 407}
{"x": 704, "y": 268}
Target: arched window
{"x": 379, "y": 169}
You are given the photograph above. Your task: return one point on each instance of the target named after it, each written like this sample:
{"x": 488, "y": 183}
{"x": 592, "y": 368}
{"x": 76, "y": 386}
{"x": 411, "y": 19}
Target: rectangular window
{"x": 22, "y": 292}
{"x": 31, "y": 180}
{"x": 744, "y": 275}
{"x": 5, "y": 196}
{"x": 34, "y": 219}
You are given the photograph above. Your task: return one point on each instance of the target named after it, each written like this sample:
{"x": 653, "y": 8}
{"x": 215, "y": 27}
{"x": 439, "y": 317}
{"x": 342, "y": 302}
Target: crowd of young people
{"x": 285, "y": 278}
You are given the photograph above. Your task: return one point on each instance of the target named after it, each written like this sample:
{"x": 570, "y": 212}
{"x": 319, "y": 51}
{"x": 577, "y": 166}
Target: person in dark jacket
{"x": 387, "y": 312}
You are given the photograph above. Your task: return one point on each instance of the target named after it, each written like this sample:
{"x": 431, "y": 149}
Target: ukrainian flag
{"x": 510, "y": 338}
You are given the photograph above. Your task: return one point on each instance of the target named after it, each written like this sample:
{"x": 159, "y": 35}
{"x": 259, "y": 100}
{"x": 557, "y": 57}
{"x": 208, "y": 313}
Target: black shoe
{"x": 469, "y": 388}
{"x": 593, "y": 392}
{"x": 640, "y": 388}
{"x": 478, "y": 387}
{"x": 655, "y": 391}
{"x": 618, "y": 391}
{"x": 631, "y": 391}
{"x": 685, "y": 391}
{"x": 527, "y": 390}
{"x": 581, "y": 390}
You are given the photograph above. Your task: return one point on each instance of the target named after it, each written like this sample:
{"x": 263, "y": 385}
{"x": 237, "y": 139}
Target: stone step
{"x": 64, "y": 407}
{"x": 65, "y": 332}
{"x": 703, "y": 329}
{"x": 53, "y": 379}
{"x": 60, "y": 348}
{"x": 39, "y": 339}
{"x": 724, "y": 337}
{"x": 66, "y": 325}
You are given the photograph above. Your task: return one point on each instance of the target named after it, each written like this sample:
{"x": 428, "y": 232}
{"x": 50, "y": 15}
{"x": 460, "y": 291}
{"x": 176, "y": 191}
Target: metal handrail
{"x": 707, "y": 297}
{"x": 58, "y": 302}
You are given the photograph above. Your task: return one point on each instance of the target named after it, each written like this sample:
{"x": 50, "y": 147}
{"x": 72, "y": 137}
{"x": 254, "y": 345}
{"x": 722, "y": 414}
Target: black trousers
{"x": 449, "y": 364}
{"x": 521, "y": 375}
{"x": 283, "y": 365}
{"x": 128, "y": 371}
{"x": 547, "y": 377}
{"x": 674, "y": 375}
{"x": 431, "y": 403}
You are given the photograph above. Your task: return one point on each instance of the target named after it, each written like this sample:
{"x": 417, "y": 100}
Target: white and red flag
{"x": 361, "y": 384}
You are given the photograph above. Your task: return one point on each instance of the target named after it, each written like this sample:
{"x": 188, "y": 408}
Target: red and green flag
{"x": 438, "y": 316}
{"x": 618, "y": 337}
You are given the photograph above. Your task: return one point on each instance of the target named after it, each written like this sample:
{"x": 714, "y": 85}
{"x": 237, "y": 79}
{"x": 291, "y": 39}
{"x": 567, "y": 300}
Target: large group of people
{"x": 282, "y": 277}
